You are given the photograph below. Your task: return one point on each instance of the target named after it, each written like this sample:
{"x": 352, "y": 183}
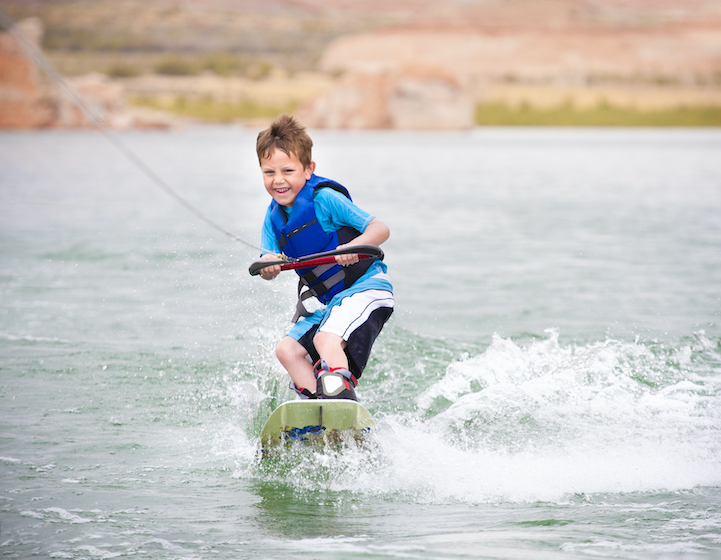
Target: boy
{"x": 310, "y": 214}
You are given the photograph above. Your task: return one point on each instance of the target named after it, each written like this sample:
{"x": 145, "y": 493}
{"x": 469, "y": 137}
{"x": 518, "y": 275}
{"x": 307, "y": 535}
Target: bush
{"x": 259, "y": 70}
{"x": 177, "y": 66}
{"x": 210, "y": 110}
{"x": 500, "y": 114}
{"x": 74, "y": 39}
{"x": 223, "y": 64}
{"x": 124, "y": 71}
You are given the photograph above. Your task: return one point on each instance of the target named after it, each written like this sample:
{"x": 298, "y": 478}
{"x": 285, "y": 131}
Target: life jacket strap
{"x": 314, "y": 274}
{"x": 300, "y": 310}
{"x": 282, "y": 241}
{"x": 321, "y": 288}
{"x": 316, "y": 291}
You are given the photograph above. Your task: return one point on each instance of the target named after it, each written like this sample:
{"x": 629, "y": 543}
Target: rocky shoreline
{"x": 401, "y": 78}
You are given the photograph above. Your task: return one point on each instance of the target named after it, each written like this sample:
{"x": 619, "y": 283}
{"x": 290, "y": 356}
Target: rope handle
{"x": 318, "y": 259}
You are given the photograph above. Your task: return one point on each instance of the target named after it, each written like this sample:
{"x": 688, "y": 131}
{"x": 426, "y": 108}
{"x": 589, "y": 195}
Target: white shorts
{"x": 353, "y": 311}
{"x": 357, "y": 319}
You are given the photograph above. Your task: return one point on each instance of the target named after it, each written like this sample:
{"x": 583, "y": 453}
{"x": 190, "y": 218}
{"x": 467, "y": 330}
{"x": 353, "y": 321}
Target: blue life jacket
{"x": 302, "y": 235}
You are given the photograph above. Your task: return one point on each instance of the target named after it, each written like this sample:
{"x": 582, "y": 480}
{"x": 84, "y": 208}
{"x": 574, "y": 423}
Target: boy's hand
{"x": 375, "y": 233}
{"x": 269, "y": 272}
{"x": 348, "y": 259}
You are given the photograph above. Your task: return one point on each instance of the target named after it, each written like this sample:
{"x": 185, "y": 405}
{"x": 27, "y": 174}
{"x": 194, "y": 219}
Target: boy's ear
{"x": 309, "y": 170}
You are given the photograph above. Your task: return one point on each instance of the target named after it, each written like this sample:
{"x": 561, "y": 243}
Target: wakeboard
{"x": 318, "y": 422}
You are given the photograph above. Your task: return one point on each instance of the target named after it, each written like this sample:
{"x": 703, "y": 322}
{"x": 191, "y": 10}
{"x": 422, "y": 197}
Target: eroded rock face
{"x": 358, "y": 101}
{"x": 412, "y": 99}
{"x": 21, "y": 104}
{"x": 29, "y": 100}
{"x": 101, "y": 97}
{"x": 428, "y": 101}
{"x": 536, "y": 54}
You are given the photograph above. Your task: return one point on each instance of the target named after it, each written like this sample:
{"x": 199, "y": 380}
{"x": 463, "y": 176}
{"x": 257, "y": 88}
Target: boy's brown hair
{"x": 285, "y": 133}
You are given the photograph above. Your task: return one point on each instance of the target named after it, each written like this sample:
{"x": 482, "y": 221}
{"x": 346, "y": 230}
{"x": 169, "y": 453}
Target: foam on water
{"x": 138, "y": 366}
{"x": 541, "y": 422}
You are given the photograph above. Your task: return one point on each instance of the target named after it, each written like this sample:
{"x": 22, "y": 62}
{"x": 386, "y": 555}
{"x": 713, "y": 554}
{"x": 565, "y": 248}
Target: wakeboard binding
{"x": 336, "y": 383}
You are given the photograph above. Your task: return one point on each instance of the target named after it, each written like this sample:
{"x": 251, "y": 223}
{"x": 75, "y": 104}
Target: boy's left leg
{"x": 331, "y": 348}
{"x": 334, "y": 378}
{"x": 338, "y": 383}
{"x": 346, "y": 335}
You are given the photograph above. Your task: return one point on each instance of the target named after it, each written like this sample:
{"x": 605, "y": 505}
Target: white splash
{"x": 544, "y": 423}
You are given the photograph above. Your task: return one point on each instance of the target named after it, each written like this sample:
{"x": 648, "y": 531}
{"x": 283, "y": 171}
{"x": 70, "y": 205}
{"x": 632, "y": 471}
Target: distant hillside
{"x": 97, "y": 34}
{"x": 398, "y": 59}
{"x": 293, "y": 34}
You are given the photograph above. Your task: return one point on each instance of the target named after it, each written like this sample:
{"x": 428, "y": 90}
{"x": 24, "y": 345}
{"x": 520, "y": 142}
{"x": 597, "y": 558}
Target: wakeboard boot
{"x": 302, "y": 392}
{"x": 336, "y": 383}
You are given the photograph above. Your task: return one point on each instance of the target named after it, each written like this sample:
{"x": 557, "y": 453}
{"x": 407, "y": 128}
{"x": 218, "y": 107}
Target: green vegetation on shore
{"x": 210, "y": 110}
{"x": 495, "y": 114}
{"x": 184, "y": 38}
{"x": 501, "y": 114}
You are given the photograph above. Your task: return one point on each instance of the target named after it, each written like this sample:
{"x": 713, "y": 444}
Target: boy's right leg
{"x": 293, "y": 357}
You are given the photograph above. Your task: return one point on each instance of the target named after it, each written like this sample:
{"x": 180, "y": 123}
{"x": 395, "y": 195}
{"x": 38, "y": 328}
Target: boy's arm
{"x": 269, "y": 243}
{"x": 375, "y": 233}
{"x": 335, "y": 210}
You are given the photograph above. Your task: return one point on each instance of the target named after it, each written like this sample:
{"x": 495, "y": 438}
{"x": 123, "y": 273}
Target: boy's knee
{"x": 288, "y": 348}
{"x": 327, "y": 340}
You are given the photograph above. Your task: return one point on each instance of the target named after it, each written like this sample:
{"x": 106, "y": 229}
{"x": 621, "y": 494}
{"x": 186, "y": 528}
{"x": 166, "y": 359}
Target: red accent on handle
{"x": 314, "y": 262}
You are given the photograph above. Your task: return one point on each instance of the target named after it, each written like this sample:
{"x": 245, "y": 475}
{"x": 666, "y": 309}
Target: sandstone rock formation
{"x": 536, "y": 54}
{"x": 21, "y": 105}
{"x": 29, "y": 100}
{"x": 639, "y": 54}
{"x": 407, "y": 99}
{"x": 100, "y": 96}
{"x": 106, "y": 100}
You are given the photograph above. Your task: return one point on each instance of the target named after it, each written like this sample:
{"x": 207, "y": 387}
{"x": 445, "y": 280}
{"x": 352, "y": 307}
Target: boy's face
{"x": 284, "y": 176}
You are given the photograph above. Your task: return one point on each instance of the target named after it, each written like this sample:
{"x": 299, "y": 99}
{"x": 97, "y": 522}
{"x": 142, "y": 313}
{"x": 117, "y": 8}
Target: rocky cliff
{"x": 21, "y": 102}
{"x": 411, "y": 64}
{"x": 409, "y": 98}
{"x": 30, "y": 100}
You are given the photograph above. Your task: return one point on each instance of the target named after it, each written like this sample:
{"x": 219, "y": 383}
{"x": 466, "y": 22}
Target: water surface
{"x": 549, "y": 387}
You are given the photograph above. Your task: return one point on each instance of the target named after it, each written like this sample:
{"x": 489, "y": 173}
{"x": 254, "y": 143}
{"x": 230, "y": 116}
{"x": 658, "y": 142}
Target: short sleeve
{"x": 335, "y": 210}
{"x": 268, "y": 240}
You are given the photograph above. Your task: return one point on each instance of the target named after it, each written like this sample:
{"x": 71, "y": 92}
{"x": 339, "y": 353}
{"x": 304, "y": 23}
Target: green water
{"x": 549, "y": 386}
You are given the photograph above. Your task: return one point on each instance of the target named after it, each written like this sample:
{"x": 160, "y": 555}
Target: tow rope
{"x": 42, "y": 62}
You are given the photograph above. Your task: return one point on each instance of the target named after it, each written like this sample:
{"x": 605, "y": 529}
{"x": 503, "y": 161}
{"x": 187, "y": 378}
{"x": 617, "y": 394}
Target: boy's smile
{"x": 284, "y": 176}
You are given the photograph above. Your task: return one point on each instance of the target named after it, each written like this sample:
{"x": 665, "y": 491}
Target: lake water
{"x": 549, "y": 386}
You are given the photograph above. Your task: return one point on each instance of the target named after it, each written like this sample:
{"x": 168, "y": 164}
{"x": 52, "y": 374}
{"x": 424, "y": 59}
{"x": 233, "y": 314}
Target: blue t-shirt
{"x": 334, "y": 211}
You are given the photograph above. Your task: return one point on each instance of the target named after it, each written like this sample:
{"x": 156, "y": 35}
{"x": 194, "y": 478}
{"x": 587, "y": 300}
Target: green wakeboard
{"x": 315, "y": 421}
